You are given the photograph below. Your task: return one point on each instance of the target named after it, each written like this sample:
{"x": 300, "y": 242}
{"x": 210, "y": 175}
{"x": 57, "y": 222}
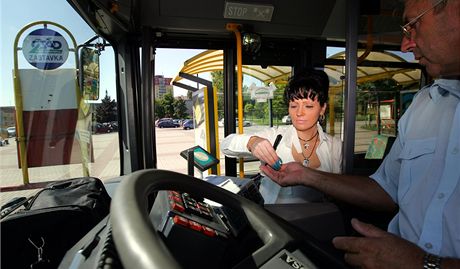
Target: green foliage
{"x": 168, "y": 105}
{"x": 260, "y": 110}
{"x": 248, "y": 108}
{"x": 217, "y": 78}
{"x": 107, "y": 110}
{"x": 159, "y": 109}
{"x": 279, "y": 106}
{"x": 180, "y": 109}
{"x": 374, "y": 91}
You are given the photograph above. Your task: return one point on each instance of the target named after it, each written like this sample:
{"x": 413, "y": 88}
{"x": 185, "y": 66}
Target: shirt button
{"x": 428, "y": 245}
{"x": 455, "y": 150}
{"x": 440, "y": 195}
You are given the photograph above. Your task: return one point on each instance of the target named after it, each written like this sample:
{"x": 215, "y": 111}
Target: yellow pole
{"x": 216, "y": 127}
{"x": 206, "y": 114}
{"x": 19, "y": 120}
{"x": 239, "y": 62}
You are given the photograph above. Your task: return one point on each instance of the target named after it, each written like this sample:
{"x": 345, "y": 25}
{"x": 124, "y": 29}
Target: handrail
{"x": 239, "y": 62}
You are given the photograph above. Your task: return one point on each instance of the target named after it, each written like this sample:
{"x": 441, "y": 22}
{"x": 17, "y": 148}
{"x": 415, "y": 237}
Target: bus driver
{"x": 420, "y": 177}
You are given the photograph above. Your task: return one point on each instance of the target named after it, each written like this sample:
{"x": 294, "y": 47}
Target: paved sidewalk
{"x": 170, "y": 142}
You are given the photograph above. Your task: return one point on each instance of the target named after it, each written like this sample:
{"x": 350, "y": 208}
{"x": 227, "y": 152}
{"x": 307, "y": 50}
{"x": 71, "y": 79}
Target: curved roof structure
{"x": 212, "y": 60}
{"x": 402, "y": 76}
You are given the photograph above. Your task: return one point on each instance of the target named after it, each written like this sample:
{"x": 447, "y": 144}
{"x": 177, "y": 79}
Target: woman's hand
{"x": 262, "y": 149}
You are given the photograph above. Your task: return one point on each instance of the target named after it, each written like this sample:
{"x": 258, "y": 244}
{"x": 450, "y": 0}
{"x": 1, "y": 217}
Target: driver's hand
{"x": 263, "y": 150}
{"x": 290, "y": 174}
{"x": 378, "y": 249}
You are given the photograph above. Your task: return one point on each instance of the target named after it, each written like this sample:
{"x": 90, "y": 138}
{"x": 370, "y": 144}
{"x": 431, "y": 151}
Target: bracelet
{"x": 431, "y": 261}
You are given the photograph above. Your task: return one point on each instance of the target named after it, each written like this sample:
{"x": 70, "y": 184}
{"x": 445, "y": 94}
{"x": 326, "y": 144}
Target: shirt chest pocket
{"x": 416, "y": 157}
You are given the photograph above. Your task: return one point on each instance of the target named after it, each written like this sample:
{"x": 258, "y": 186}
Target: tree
{"x": 375, "y": 91}
{"x": 159, "y": 109}
{"x": 168, "y": 105}
{"x": 106, "y": 111}
{"x": 279, "y": 106}
{"x": 180, "y": 109}
{"x": 260, "y": 110}
{"x": 248, "y": 108}
{"x": 218, "y": 83}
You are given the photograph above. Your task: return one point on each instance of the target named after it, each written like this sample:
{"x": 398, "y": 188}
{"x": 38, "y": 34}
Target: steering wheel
{"x": 138, "y": 243}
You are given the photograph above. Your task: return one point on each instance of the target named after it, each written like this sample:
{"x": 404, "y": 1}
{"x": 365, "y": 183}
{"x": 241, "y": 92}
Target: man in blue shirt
{"x": 420, "y": 176}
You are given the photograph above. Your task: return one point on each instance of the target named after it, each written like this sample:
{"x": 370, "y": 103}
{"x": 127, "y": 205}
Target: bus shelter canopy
{"x": 212, "y": 60}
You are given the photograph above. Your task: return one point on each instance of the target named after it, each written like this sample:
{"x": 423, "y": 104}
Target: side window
{"x": 382, "y": 95}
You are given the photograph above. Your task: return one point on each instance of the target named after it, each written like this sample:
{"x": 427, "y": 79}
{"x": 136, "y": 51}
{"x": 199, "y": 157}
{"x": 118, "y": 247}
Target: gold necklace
{"x": 306, "y": 160}
{"x": 306, "y": 145}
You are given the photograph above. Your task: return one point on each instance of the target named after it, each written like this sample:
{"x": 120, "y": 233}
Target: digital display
{"x": 203, "y": 160}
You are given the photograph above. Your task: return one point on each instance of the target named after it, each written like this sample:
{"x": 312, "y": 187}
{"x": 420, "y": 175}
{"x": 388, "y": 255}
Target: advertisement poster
{"x": 90, "y": 68}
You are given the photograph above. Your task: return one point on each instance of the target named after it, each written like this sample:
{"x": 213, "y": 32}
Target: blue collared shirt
{"x": 422, "y": 171}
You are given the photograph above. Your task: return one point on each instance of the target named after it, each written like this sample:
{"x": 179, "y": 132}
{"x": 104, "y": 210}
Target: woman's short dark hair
{"x": 308, "y": 83}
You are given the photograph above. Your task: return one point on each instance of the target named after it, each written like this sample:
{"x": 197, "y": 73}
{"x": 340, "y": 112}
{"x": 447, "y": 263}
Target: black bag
{"x": 52, "y": 222}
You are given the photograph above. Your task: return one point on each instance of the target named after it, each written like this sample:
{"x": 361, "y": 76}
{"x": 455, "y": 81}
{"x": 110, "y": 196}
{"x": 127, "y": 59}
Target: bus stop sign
{"x": 45, "y": 49}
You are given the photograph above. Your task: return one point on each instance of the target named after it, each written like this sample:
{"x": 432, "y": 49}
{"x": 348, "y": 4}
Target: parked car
{"x": 162, "y": 119}
{"x": 246, "y": 123}
{"x": 11, "y": 131}
{"x": 4, "y": 136}
{"x": 188, "y": 124}
{"x": 167, "y": 124}
{"x": 99, "y": 128}
{"x": 114, "y": 125}
{"x": 178, "y": 122}
{"x": 286, "y": 119}
{"x": 3, "y": 142}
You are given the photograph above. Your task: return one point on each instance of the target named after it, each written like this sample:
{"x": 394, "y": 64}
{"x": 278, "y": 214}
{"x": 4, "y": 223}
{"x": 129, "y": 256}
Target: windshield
{"x": 61, "y": 131}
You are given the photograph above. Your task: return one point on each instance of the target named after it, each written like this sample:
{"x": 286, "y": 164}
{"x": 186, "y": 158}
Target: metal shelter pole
{"x": 229, "y": 105}
{"x": 351, "y": 52}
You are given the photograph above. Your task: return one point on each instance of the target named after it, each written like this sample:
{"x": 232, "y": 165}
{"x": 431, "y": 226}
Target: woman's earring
{"x": 321, "y": 118}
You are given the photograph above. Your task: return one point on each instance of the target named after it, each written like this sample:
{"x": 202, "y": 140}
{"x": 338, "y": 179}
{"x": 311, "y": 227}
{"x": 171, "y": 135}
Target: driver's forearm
{"x": 357, "y": 190}
{"x": 450, "y": 263}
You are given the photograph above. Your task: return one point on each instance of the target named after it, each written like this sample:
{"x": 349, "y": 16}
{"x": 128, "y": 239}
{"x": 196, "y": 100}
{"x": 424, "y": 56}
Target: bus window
{"x": 386, "y": 82}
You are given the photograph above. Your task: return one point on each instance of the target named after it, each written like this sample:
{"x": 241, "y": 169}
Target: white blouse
{"x": 329, "y": 152}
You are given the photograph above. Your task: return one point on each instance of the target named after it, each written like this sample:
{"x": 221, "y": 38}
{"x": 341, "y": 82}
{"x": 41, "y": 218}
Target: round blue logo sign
{"x": 45, "y": 49}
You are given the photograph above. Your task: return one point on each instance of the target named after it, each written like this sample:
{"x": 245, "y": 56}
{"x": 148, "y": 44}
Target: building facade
{"x": 7, "y": 116}
{"x": 163, "y": 86}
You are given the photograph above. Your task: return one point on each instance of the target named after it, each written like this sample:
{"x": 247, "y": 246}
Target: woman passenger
{"x": 304, "y": 141}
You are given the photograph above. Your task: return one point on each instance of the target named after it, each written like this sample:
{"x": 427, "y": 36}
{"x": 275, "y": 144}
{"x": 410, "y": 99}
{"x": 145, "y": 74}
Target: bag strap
{"x": 12, "y": 206}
